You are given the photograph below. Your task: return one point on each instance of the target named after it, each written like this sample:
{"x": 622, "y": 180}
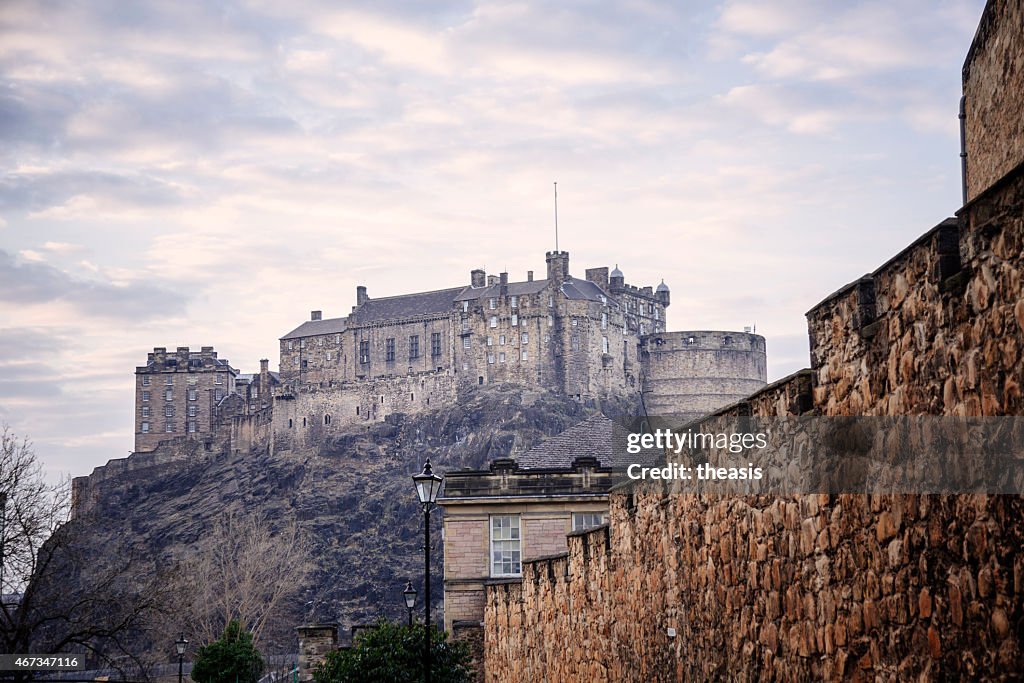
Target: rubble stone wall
{"x": 809, "y": 587}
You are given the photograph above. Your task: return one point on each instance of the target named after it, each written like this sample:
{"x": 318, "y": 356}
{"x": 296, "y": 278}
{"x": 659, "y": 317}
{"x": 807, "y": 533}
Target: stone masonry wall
{"x": 814, "y": 587}
{"x": 993, "y": 81}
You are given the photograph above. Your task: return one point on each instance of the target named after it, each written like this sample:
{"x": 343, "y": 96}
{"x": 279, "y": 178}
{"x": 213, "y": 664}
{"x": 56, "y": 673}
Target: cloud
{"x": 31, "y": 283}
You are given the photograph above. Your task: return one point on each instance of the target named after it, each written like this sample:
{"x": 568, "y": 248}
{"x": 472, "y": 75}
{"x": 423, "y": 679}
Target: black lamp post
{"x": 410, "y": 599}
{"x": 428, "y": 485}
{"x": 180, "y": 644}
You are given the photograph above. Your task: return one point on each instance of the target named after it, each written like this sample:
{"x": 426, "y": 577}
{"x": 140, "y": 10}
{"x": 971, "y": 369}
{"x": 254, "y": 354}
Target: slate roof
{"x": 406, "y": 306}
{"x": 590, "y": 438}
{"x": 316, "y": 327}
{"x": 514, "y": 289}
{"x": 583, "y": 289}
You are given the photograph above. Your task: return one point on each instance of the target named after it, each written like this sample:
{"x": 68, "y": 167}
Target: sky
{"x": 177, "y": 173}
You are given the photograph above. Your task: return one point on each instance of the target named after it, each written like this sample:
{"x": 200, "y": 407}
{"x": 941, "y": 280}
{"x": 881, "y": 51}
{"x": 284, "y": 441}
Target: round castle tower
{"x": 692, "y": 373}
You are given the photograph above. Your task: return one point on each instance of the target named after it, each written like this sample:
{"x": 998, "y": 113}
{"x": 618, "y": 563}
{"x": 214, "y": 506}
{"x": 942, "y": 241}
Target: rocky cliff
{"x": 352, "y": 494}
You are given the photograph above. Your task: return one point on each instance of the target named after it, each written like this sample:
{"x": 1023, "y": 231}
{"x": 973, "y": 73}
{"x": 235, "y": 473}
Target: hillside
{"x": 352, "y": 494}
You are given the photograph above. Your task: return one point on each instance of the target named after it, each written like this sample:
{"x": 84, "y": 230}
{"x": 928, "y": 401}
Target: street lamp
{"x": 410, "y": 599}
{"x": 180, "y": 644}
{"x": 428, "y": 485}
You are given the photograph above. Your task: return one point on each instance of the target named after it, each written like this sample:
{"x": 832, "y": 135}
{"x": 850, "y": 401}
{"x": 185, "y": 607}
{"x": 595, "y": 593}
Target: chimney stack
{"x": 316, "y": 315}
{"x": 529, "y": 276}
{"x": 504, "y": 283}
{"x": 361, "y": 295}
{"x": 558, "y": 265}
{"x": 477, "y": 277}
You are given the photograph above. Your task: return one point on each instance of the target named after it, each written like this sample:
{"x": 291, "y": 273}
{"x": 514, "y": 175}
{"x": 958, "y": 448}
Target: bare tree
{"x": 245, "y": 571}
{"x": 57, "y": 594}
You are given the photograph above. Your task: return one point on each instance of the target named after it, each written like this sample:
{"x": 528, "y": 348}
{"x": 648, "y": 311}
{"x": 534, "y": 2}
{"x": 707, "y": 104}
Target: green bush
{"x": 393, "y": 653}
{"x": 232, "y": 659}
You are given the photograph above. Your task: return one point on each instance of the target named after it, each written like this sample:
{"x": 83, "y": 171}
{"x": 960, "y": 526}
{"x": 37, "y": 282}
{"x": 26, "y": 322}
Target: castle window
{"x": 551, "y": 320}
{"x": 575, "y": 342}
{"x": 435, "y": 344}
{"x": 691, "y": 340}
{"x": 218, "y": 395}
{"x": 642, "y": 330}
{"x": 305, "y": 363}
{"x": 364, "y": 352}
{"x": 145, "y": 428}
{"x": 526, "y": 356}
{"x": 145, "y": 395}
{"x": 728, "y": 339}
{"x": 480, "y": 379}
{"x": 327, "y": 419}
{"x": 328, "y": 355}
{"x": 337, "y": 339}
{"x": 501, "y": 340}
{"x": 389, "y": 349}
{"x": 169, "y": 395}
{"x": 169, "y": 381}
{"x": 492, "y": 304}
{"x": 193, "y": 394}
{"x": 604, "y": 344}
{"x": 515, "y": 320}
{"x": 465, "y": 324}
{"x": 551, "y": 300}
{"x": 357, "y": 410}
{"x": 414, "y": 347}
{"x": 604, "y": 299}
{"x": 290, "y": 423}
{"x": 604, "y": 321}
{"x": 191, "y": 411}
{"x": 169, "y": 427}
{"x": 302, "y": 343}
{"x": 526, "y": 338}
{"x": 382, "y": 399}
{"x": 465, "y": 343}
{"x": 303, "y": 422}
{"x": 192, "y": 427}
{"x": 657, "y": 314}
{"x": 494, "y": 321}
{"x": 650, "y": 308}
{"x": 514, "y": 301}
{"x": 501, "y": 357}
{"x": 145, "y": 380}
{"x": 290, "y": 346}
{"x": 319, "y": 341}
{"x": 505, "y": 546}
{"x": 490, "y": 341}
{"x": 145, "y": 411}
{"x": 490, "y": 358}
{"x": 586, "y": 520}
{"x": 218, "y": 379}
{"x": 465, "y": 307}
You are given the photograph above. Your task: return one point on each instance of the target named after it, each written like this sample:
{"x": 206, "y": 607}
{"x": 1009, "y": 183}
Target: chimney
{"x": 504, "y": 283}
{"x": 529, "y": 276}
{"x": 598, "y": 276}
{"x": 477, "y": 277}
{"x": 317, "y": 315}
{"x": 558, "y": 265}
{"x": 182, "y": 355}
{"x": 264, "y": 377}
{"x": 361, "y": 295}
{"x": 492, "y": 280}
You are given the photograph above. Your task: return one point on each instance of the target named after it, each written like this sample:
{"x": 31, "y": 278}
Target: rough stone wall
{"x": 696, "y": 372}
{"x": 813, "y": 587}
{"x": 993, "y": 80}
{"x": 314, "y": 644}
{"x": 308, "y": 416}
{"x": 254, "y": 430}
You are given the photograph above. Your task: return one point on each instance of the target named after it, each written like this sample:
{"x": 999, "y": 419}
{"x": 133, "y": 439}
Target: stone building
{"x": 585, "y": 337}
{"x": 200, "y": 397}
{"x": 520, "y": 510}
{"x": 177, "y": 394}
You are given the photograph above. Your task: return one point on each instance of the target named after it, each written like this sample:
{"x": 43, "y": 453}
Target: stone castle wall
{"x": 693, "y": 373}
{"x": 811, "y": 587}
{"x": 993, "y": 81}
{"x": 307, "y": 416}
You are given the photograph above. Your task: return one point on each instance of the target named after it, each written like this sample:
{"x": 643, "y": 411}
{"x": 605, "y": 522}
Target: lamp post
{"x": 410, "y": 599}
{"x": 428, "y": 485}
{"x": 180, "y": 644}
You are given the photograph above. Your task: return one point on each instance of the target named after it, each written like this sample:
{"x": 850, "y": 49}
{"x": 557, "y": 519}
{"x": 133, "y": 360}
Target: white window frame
{"x": 145, "y": 380}
{"x": 513, "y": 545}
{"x": 466, "y": 343}
{"x": 581, "y": 521}
{"x": 144, "y": 428}
{"x": 514, "y": 301}
{"x": 492, "y": 303}
{"x": 494, "y": 321}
